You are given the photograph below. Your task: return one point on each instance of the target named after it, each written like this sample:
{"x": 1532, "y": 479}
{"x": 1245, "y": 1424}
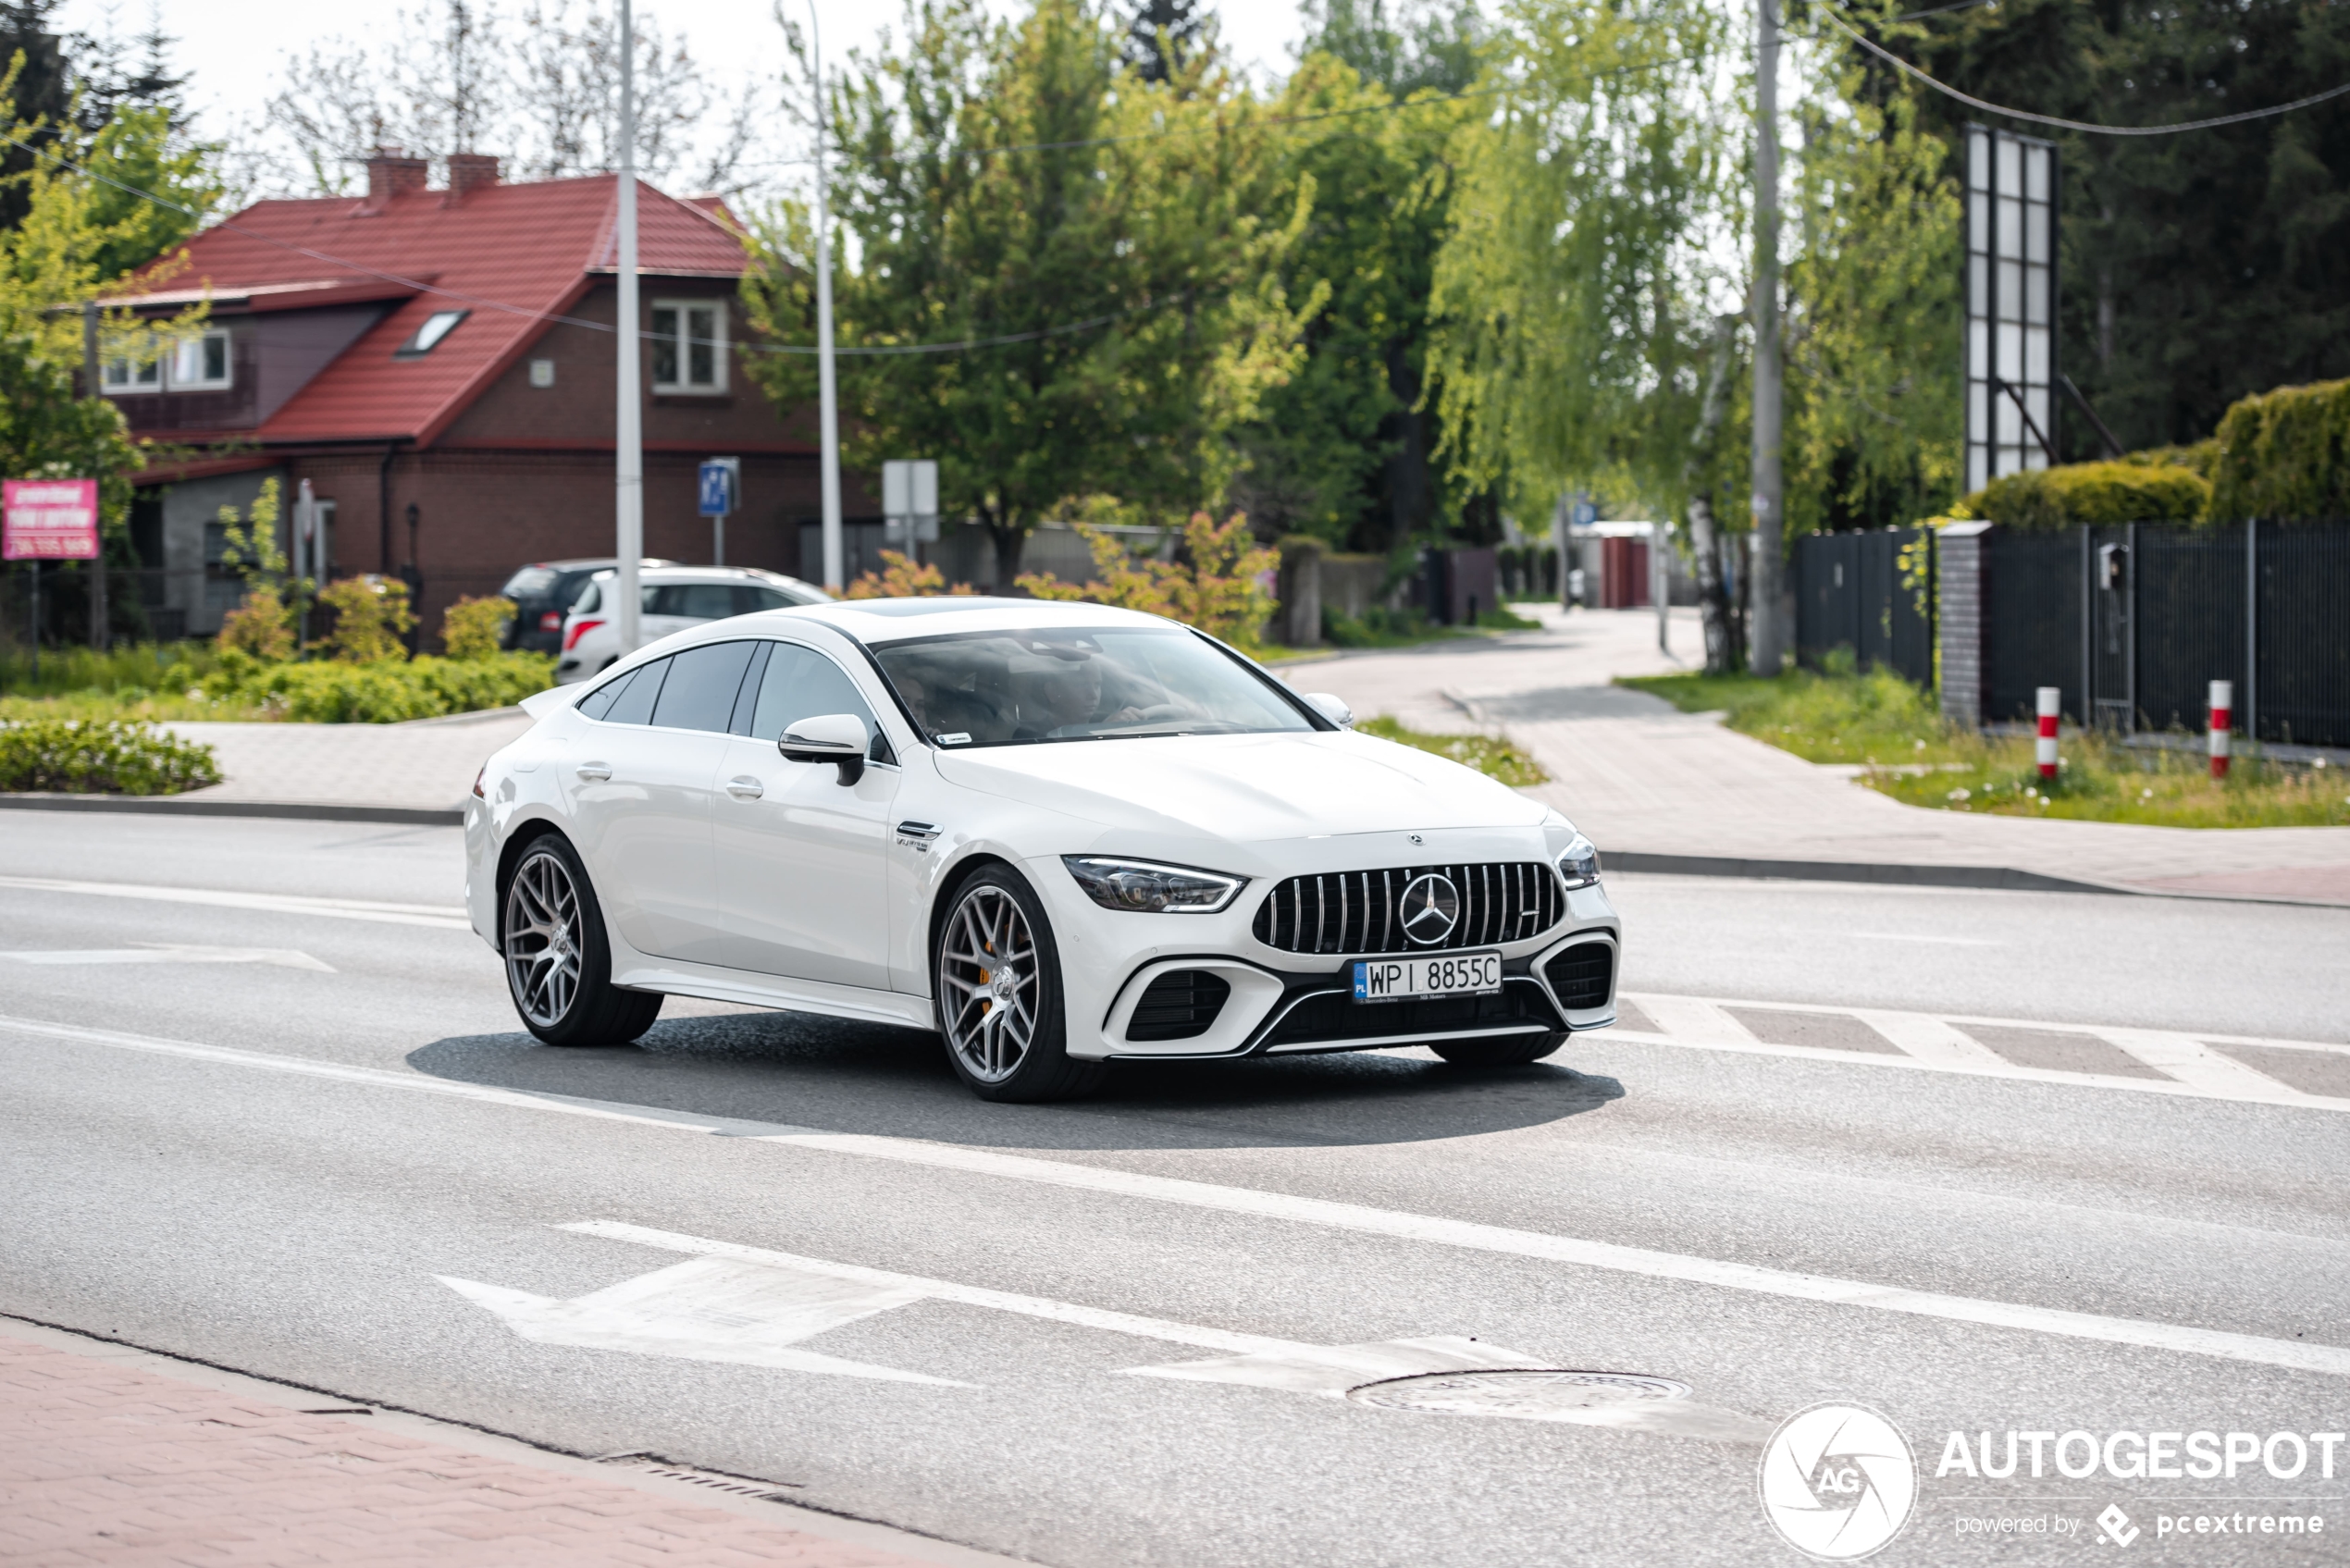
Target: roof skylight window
{"x": 437, "y": 325}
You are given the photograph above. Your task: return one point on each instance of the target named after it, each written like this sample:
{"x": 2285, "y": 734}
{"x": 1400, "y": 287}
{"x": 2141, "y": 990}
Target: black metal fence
{"x": 1870, "y": 593}
{"x": 2133, "y": 622}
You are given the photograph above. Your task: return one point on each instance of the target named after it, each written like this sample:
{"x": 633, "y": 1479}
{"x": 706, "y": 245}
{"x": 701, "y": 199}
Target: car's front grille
{"x": 1580, "y": 976}
{"x": 1180, "y": 1005}
{"x": 1333, "y": 1017}
{"x": 1357, "y": 912}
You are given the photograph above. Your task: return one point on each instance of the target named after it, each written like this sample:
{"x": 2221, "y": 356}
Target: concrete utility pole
{"x": 828, "y": 398}
{"x": 1770, "y": 520}
{"x": 628, "y": 481}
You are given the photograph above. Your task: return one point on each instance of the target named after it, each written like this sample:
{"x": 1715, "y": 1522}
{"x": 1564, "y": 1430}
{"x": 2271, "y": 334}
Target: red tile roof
{"x": 511, "y": 254}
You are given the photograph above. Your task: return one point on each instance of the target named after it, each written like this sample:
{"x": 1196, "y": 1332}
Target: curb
{"x": 178, "y": 805}
{"x": 2003, "y": 877}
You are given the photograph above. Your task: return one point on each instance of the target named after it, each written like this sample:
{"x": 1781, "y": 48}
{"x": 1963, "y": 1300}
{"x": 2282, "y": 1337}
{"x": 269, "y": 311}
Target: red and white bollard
{"x": 2223, "y": 701}
{"x": 2051, "y": 698}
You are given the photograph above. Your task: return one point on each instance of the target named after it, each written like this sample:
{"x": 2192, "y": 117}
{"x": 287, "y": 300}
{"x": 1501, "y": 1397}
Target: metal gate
{"x": 1852, "y": 592}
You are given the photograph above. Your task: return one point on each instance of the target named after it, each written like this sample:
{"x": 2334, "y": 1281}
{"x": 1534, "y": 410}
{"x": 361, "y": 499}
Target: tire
{"x": 1004, "y": 1024}
{"x": 1500, "y": 1051}
{"x": 550, "y": 929}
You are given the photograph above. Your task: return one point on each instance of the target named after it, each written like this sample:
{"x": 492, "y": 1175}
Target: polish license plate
{"x": 1454, "y": 975}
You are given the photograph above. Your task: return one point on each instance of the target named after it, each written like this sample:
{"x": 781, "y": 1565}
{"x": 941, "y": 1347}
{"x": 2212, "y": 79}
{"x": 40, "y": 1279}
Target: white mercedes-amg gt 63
{"x": 1057, "y": 835}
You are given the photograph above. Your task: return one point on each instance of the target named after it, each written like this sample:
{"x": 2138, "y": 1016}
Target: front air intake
{"x": 1179, "y": 1004}
{"x": 1582, "y": 976}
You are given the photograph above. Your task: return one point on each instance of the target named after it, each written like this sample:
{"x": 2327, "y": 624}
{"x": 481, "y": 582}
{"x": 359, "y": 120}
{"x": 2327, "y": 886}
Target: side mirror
{"x": 1332, "y": 707}
{"x": 837, "y": 738}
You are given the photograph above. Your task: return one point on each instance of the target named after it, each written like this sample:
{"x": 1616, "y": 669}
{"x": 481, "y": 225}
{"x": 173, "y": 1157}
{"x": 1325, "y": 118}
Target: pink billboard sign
{"x": 49, "y": 520}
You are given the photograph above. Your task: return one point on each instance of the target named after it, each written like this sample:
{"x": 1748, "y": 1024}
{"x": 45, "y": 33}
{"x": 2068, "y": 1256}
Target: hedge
{"x": 2099, "y": 493}
{"x": 111, "y": 758}
{"x": 330, "y": 692}
{"x": 2285, "y": 456}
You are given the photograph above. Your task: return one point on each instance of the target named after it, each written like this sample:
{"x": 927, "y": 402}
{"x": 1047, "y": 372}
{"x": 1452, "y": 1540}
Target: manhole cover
{"x": 1534, "y": 1394}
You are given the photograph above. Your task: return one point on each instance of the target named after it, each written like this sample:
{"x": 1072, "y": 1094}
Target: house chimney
{"x": 392, "y": 172}
{"x": 470, "y": 171}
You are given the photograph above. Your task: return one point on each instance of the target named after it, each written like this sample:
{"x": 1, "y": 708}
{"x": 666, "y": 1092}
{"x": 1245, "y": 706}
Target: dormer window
{"x": 200, "y": 363}
{"x": 437, "y": 325}
{"x": 689, "y": 346}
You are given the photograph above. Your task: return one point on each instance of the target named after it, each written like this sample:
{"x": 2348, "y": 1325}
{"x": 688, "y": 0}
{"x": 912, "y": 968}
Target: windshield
{"x": 984, "y": 688}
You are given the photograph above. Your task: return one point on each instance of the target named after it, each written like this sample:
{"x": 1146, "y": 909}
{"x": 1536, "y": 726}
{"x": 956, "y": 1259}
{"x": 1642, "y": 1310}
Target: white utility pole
{"x": 629, "y": 476}
{"x": 1770, "y": 512}
{"x": 828, "y": 397}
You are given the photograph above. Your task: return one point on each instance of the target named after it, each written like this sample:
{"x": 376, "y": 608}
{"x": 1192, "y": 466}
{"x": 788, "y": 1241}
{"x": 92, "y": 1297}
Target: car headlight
{"x": 1151, "y": 888}
{"x": 1580, "y": 862}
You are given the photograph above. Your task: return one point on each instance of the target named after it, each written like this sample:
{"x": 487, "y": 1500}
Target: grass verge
{"x": 1893, "y": 731}
{"x": 1495, "y": 759}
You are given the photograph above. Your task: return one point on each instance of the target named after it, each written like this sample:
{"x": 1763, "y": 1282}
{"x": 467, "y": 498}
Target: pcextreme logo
{"x": 1837, "y": 1482}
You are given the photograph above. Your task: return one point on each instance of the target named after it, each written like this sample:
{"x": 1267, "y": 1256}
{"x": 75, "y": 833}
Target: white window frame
{"x": 126, "y": 375}
{"x": 179, "y": 353}
{"x": 679, "y": 344}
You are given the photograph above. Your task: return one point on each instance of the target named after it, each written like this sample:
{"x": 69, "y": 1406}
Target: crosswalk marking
{"x": 2147, "y": 1060}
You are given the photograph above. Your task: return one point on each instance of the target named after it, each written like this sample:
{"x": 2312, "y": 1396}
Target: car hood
{"x": 1246, "y": 788}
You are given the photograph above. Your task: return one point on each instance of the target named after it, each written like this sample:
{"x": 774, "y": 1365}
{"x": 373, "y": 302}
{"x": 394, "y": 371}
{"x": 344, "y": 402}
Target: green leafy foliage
{"x": 375, "y": 692}
{"x": 1489, "y": 755}
{"x": 473, "y": 627}
{"x": 101, "y": 758}
{"x": 2285, "y": 455}
{"x": 1007, "y": 181}
{"x": 2093, "y": 493}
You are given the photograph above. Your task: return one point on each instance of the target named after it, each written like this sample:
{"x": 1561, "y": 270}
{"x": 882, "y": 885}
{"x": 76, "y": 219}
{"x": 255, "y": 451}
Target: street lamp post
{"x": 628, "y": 479}
{"x": 827, "y": 396}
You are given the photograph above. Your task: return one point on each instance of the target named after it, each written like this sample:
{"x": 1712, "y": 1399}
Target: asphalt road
{"x": 279, "y": 1163}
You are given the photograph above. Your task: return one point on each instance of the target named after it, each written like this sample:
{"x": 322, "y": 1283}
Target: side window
{"x": 597, "y": 703}
{"x": 692, "y": 601}
{"x": 591, "y": 600}
{"x": 699, "y": 692}
{"x": 801, "y": 684}
{"x": 749, "y": 600}
{"x": 635, "y": 706}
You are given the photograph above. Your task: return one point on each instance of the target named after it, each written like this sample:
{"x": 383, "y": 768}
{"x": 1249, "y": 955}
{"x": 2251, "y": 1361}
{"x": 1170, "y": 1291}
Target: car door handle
{"x": 599, "y": 770}
{"x": 746, "y": 788}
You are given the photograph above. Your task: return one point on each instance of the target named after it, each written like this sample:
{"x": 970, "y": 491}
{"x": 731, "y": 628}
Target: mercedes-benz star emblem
{"x": 1432, "y": 908}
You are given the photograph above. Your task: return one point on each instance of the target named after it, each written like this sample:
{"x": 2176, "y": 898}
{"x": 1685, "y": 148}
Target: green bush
{"x": 383, "y": 693}
{"x": 2285, "y": 455}
{"x": 101, "y": 758}
{"x": 2098, "y": 493}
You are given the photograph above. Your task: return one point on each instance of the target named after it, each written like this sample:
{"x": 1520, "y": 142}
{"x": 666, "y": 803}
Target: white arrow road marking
{"x": 1263, "y": 1362}
{"x": 172, "y": 953}
{"x": 710, "y": 1309}
{"x": 2259, "y": 1350}
{"x": 438, "y": 917}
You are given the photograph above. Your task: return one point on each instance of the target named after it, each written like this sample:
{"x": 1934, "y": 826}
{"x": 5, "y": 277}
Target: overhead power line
{"x": 1989, "y": 108}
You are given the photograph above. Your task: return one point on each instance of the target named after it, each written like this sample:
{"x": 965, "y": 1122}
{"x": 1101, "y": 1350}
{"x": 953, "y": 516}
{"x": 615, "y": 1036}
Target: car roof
{"x": 877, "y": 621}
{"x": 705, "y": 575}
{"x": 590, "y": 564}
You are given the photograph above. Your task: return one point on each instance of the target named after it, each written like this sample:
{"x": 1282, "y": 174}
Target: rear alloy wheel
{"x": 1000, "y": 996}
{"x": 1500, "y": 1050}
{"x": 558, "y": 961}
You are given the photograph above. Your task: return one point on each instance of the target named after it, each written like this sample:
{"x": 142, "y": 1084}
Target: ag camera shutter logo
{"x": 1837, "y": 1482}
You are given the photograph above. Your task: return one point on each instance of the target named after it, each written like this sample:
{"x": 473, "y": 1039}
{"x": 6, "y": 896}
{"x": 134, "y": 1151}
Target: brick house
{"x": 438, "y": 363}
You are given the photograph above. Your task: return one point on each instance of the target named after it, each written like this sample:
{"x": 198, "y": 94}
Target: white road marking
{"x": 712, "y": 1309}
{"x": 172, "y": 953}
{"x": 770, "y": 1286}
{"x": 1938, "y": 1043}
{"x": 2290, "y": 1353}
{"x": 436, "y": 917}
{"x": 1938, "y": 941}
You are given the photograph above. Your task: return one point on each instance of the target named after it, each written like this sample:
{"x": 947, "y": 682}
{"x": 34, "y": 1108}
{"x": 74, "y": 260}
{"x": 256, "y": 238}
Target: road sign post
{"x": 47, "y": 520}
{"x": 720, "y": 487}
{"x": 910, "y": 503}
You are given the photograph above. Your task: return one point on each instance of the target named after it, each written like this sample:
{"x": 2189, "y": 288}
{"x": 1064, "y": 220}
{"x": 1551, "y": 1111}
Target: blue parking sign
{"x": 718, "y": 487}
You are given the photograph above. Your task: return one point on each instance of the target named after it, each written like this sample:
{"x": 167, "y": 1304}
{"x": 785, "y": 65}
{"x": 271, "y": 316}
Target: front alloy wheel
{"x": 558, "y": 962}
{"x": 999, "y": 1003}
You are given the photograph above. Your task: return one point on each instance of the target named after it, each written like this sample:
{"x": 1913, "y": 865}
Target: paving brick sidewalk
{"x": 103, "y": 1461}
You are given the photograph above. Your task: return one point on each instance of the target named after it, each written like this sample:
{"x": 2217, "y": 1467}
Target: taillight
{"x": 478, "y": 778}
{"x": 552, "y": 622}
{"x": 578, "y": 630}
